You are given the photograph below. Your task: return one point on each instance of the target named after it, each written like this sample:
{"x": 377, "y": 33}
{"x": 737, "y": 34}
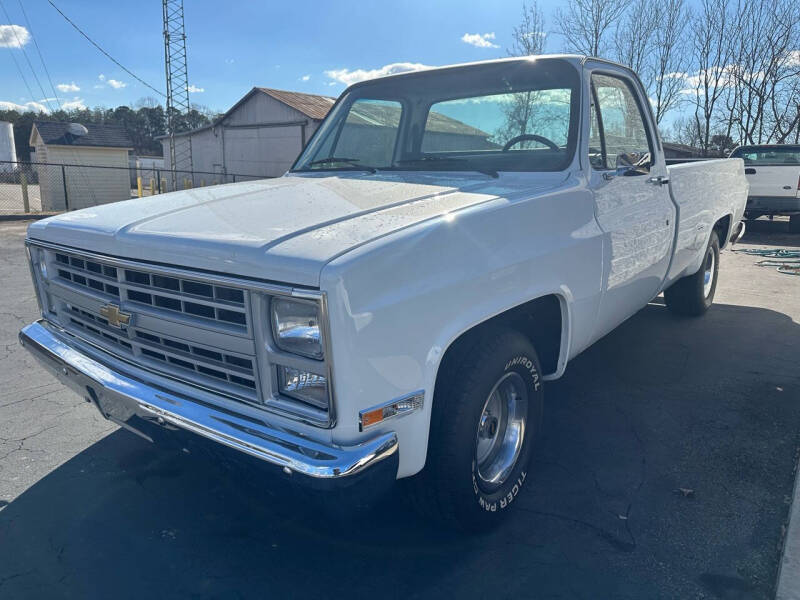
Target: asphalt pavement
{"x": 666, "y": 471}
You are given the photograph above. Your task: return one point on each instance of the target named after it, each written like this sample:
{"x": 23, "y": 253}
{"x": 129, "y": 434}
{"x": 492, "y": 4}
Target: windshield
{"x": 509, "y": 116}
{"x": 769, "y": 155}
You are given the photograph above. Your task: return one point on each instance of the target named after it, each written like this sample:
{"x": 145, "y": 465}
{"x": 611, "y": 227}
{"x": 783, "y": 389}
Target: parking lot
{"x": 666, "y": 471}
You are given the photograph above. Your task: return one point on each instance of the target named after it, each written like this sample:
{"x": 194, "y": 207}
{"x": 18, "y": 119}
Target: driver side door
{"x": 632, "y": 200}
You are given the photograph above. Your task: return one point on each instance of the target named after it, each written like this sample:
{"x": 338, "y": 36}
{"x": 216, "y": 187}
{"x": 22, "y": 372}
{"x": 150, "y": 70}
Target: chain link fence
{"x": 35, "y": 187}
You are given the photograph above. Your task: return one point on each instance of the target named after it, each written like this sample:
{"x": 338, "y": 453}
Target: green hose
{"x": 786, "y": 261}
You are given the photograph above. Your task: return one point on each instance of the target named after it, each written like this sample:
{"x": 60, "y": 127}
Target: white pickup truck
{"x": 773, "y": 172}
{"x": 392, "y": 306}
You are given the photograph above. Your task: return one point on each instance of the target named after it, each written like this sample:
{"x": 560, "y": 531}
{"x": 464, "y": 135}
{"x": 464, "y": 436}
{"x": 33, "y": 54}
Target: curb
{"x": 26, "y": 217}
{"x": 788, "y": 586}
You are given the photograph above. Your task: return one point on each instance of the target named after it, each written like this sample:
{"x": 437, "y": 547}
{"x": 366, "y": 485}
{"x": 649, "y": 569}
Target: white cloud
{"x": 13, "y": 36}
{"x": 348, "y": 77}
{"x": 101, "y": 77}
{"x": 793, "y": 59}
{"x": 195, "y": 90}
{"x": 116, "y": 84}
{"x": 40, "y": 106}
{"x": 68, "y": 87}
{"x": 27, "y": 107}
{"x": 74, "y": 104}
{"x": 305, "y": 78}
{"x": 479, "y": 40}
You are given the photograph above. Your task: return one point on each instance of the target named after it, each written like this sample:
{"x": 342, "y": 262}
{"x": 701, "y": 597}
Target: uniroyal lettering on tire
{"x": 529, "y": 366}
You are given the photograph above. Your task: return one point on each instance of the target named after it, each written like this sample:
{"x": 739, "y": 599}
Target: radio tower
{"x": 180, "y": 149}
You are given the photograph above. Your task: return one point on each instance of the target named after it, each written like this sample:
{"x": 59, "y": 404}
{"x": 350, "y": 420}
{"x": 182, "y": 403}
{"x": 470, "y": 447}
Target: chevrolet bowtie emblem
{"x": 114, "y": 316}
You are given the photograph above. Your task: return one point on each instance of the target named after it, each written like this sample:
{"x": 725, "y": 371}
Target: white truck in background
{"x": 773, "y": 172}
{"x": 394, "y": 305}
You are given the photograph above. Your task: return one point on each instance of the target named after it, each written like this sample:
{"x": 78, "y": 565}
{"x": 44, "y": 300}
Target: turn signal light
{"x": 398, "y": 407}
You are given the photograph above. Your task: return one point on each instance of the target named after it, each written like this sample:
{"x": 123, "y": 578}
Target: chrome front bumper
{"x": 123, "y": 399}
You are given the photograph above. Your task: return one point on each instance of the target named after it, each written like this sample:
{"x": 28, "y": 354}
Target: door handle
{"x": 749, "y": 171}
{"x": 660, "y": 180}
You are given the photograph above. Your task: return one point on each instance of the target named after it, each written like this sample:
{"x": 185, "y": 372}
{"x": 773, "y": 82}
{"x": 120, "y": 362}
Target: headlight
{"x": 296, "y": 328}
{"x": 301, "y": 385}
{"x": 41, "y": 265}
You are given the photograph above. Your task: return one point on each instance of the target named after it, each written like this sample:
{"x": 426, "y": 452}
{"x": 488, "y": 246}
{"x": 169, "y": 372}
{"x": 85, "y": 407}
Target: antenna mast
{"x": 180, "y": 149}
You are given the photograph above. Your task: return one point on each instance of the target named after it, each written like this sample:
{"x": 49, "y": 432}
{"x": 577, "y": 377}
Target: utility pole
{"x": 180, "y": 148}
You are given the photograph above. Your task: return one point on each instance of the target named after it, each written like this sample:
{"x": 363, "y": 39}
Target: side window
{"x": 622, "y": 125}
{"x": 370, "y": 131}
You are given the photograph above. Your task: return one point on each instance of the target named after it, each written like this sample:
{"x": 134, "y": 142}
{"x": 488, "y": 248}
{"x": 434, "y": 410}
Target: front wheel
{"x": 691, "y": 296}
{"x": 487, "y": 410}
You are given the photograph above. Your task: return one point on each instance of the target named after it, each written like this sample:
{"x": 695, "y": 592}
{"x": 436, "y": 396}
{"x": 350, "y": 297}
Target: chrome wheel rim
{"x": 501, "y": 430}
{"x": 708, "y": 275}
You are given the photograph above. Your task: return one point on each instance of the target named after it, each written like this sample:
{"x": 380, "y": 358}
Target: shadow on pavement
{"x": 665, "y": 472}
{"x": 770, "y": 233}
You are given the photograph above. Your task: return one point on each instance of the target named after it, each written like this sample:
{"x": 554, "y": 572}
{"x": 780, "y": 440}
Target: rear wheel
{"x": 486, "y": 413}
{"x": 692, "y": 295}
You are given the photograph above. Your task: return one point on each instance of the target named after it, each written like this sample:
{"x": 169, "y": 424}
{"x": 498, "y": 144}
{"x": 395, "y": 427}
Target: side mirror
{"x": 633, "y": 164}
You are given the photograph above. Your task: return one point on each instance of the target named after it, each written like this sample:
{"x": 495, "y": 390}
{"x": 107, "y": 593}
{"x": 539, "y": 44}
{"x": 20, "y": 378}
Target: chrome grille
{"x": 203, "y": 360}
{"x": 223, "y": 305}
{"x": 189, "y": 329}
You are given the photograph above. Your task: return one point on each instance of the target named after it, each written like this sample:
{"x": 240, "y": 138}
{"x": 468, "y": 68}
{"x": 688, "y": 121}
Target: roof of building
{"x": 98, "y": 135}
{"x": 311, "y": 105}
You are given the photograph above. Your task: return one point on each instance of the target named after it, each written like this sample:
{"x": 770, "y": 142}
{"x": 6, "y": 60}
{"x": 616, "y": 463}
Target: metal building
{"x": 261, "y": 135}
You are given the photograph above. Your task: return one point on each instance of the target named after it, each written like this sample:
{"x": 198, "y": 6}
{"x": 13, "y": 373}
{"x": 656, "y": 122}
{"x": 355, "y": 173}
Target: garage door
{"x": 265, "y": 151}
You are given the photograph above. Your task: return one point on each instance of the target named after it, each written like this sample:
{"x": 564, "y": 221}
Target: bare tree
{"x": 669, "y": 57}
{"x": 588, "y": 25}
{"x": 529, "y": 36}
{"x": 634, "y": 37}
{"x": 529, "y": 39}
{"x": 712, "y": 53}
{"x": 764, "y": 68}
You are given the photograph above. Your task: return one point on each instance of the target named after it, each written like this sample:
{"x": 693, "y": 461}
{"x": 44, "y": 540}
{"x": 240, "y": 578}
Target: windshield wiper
{"x": 451, "y": 159}
{"x": 342, "y": 159}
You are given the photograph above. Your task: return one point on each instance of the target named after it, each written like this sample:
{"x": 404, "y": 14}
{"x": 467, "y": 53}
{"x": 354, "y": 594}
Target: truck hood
{"x": 282, "y": 230}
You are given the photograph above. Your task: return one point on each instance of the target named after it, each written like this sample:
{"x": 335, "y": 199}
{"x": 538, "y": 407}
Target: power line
{"x": 41, "y": 57}
{"x": 22, "y": 75}
{"x": 25, "y": 54}
{"x": 111, "y": 58}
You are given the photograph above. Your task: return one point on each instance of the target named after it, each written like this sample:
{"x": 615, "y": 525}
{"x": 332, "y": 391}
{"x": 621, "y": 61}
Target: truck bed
{"x": 700, "y": 190}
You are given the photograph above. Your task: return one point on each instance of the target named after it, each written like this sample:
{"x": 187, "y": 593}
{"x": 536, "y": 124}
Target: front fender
{"x": 397, "y": 304}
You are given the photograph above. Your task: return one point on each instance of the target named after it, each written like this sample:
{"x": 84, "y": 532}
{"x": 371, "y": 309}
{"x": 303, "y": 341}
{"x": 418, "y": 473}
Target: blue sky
{"x": 305, "y": 46}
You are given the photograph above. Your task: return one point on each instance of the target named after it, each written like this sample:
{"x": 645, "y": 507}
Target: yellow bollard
{"x": 152, "y": 187}
{"x": 202, "y": 183}
{"x": 139, "y": 186}
{"x": 23, "y": 179}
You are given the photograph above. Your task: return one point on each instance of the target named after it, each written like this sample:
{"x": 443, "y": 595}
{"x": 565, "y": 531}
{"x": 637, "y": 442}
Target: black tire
{"x": 688, "y": 296}
{"x": 450, "y": 489}
{"x": 794, "y": 224}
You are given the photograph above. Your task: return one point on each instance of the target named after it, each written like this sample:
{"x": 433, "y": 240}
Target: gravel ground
{"x": 666, "y": 471}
